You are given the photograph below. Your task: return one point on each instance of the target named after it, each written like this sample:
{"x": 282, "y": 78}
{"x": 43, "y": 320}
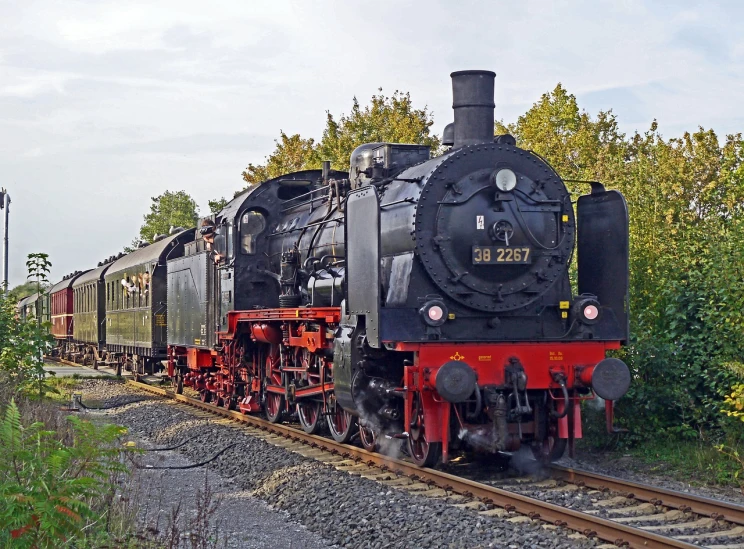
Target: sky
{"x": 106, "y": 104}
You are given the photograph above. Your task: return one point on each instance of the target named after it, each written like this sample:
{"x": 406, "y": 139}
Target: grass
{"x": 687, "y": 456}
{"x": 693, "y": 462}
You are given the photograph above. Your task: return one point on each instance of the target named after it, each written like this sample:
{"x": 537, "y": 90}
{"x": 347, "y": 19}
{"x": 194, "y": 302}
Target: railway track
{"x": 636, "y": 515}
{"x": 666, "y": 510}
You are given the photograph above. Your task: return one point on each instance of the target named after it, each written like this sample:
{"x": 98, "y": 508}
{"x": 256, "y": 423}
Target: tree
{"x": 21, "y": 291}
{"x": 292, "y": 153}
{"x": 30, "y": 343}
{"x": 216, "y": 205}
{"x": 38, "y": 266}
{"x": 576, "y": 145}
{"x": 386, "y": 119}
{"x": 170, "y": 209}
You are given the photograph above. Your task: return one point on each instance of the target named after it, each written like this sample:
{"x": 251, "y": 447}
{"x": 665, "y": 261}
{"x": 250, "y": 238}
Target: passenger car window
{"x": 251, "y": 225}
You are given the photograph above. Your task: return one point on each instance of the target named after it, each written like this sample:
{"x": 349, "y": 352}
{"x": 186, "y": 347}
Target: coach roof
{"x": 66, "y": 282}
{"x": 157, "y": 252}
{"x": 92, "y": 275}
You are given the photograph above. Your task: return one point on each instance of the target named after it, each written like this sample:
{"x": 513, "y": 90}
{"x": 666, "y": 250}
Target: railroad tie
{"x": 674, "y": 514}
{"x": 499, "y": 512}
{"x": 732, "y": 546}
{"x": 612, "y": 502}
{"x": 734, "y": 532}
{"x": 700, "y": 523}
{"x": 634, "y": 510}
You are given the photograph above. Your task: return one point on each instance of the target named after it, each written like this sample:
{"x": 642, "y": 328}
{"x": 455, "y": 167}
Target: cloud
{"x": 105, "y": 104}
{"x": 624, "y": 101}
{"x": 238, "y": 143}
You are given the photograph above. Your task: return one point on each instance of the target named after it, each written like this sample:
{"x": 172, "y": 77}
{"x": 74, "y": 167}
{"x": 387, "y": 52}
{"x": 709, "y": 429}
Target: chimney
{"x": 472, "y": 101}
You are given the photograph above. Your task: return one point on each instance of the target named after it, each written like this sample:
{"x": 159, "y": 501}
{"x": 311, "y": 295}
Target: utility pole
{"x": 5, "y": 205}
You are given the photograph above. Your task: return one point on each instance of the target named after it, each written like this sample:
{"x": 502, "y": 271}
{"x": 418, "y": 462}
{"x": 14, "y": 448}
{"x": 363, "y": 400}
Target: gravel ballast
{"x": 631, "y": 469}
{"x": 336, "y": 507}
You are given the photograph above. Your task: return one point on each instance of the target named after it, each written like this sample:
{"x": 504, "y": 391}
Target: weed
{"x": 49, "y": 486}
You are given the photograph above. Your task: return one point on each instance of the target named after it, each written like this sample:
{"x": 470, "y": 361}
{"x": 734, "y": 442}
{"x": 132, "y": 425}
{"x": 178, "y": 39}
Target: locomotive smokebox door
{"x": 603, "y": 253}
{"x": 363, "y": 259}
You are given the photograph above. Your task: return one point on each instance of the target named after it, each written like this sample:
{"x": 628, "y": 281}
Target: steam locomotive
{"x": 425, "y": 300}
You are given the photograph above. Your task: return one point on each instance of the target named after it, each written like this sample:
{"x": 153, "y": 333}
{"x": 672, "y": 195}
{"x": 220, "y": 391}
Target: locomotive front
{"x": 474, "y": 252}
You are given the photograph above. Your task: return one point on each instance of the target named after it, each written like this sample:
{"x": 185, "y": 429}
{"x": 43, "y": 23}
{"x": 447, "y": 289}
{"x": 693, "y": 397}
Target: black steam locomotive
{"x": 419, "y": 298}
{"x": 426, "y": 300}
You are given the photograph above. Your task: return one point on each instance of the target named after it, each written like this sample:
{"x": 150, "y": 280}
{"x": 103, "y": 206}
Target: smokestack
{"x": 472, "y": 101}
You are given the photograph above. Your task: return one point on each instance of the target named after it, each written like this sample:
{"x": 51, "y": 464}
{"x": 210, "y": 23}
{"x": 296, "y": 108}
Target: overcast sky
{"x": 105, "y": 104}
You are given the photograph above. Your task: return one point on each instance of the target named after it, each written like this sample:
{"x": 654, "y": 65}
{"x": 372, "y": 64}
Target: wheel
{"x": 551, "y": 449}
{"x": 548, "y": 447}
{"x": 206, "y": 396}
{"x": 423, "y": 453}
{"x": 273, "y": 407}
{"x": 342, "y": 424}
{"x": 179, "y": 385}
{"x": 228, "y": 403}
{"x": 308, "y": 412}
{"x": 368, "y": 437}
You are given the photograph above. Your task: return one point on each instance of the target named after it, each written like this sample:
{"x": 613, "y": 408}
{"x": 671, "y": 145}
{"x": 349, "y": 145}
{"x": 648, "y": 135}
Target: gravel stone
{"x": 337, "y": 507}
{"x": 632, "y": 469}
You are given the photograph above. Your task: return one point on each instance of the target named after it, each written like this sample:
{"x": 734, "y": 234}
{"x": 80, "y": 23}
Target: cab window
{"x": 230, "y": 242}
{"x": 252, "y": 224}
{"x": 220, "y": 246}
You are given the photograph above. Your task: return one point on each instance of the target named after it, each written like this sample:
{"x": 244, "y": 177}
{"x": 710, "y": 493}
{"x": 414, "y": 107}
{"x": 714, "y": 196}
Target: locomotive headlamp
{"x": 591, "y": 312}
{"x": 434, "y": 313}
{"x": 505, "y": 179}
{"x": 587, "y": 309}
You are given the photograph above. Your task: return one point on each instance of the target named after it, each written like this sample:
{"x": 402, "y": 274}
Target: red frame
{"x": 540, "y": 362}
{"x": 544, "y": 364}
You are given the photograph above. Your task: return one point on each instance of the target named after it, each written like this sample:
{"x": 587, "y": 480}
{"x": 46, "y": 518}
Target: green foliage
{"x": 386, "y": 119}
{"x": 576, "y": 145}
{"x": 170, "y": 209}
{"x": 49, "y": 488}
{"x": 21, "y": 291}
{"x": 22, "y": 346}
{"x": 216, "y": 205}
{"x": 690, "y": 461}
{"x": 390, "y": 119}
{"x": 292, "y": 153}
{"x": 733, "y": 404}
{"x": 38, "y": 266}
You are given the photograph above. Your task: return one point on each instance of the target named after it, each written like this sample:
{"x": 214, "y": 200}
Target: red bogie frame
{"x": 284, "y": 370}
{"x": 541, "y": 361}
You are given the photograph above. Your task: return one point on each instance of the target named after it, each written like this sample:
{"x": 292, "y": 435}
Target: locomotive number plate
{"x": 494, "y": 255}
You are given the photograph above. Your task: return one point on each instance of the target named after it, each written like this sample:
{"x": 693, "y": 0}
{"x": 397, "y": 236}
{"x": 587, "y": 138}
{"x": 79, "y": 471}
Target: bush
{"x": 49, "y": 489}
{"x": 22, "y": 348}
{"x": 688, "y": 335}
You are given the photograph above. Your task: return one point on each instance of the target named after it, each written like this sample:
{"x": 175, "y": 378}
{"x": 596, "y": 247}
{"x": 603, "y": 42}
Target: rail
{"x": 715, "y": 509}
{"x": 589, "y": 525}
